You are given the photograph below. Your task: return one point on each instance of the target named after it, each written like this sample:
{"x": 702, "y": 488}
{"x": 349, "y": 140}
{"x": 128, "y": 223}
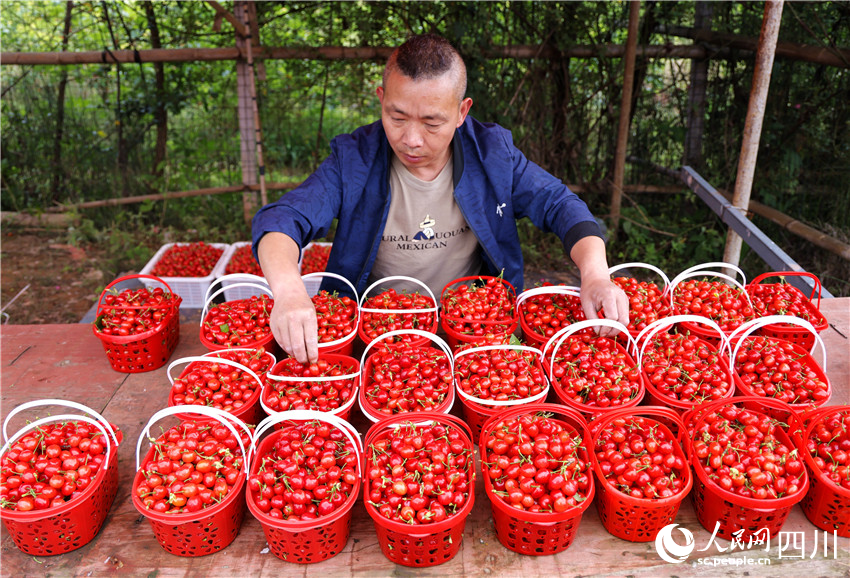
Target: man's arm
{"x": 597, "y": 289}
{"x": 293, "y": 318}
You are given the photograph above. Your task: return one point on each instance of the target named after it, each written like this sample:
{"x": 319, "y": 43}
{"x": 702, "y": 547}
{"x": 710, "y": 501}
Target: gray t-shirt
{"x": 426, "y": 236}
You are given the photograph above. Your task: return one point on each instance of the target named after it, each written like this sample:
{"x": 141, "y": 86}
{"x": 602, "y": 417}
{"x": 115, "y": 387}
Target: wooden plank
{"x": 127, "y": 546}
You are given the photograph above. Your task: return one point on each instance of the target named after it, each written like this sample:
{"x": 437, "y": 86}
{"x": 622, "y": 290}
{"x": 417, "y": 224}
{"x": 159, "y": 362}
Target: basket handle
{"x": 211, "y": 359}
{"x": 309, "y": 415}
{"x": 601, "y": 422}
{"x": 229, "y": 287}
{"x": 817, "y": 286}
{"x": 106, "y": 289}
{"x": 472, "y": 279}
{"x": 432, "y": 336}
{"x": 812, "y": 417}
{"x": 640, "y": 265}
{"x": 425, "y": 417}
{"x": 215, "y": 353}
{"x": 546, "y": 290}
{"x": 62, "y": 402}
{"x": 556, "y": 408}
{"x": 318, "y": 379}
{"x": 399, "y": 311}
{"x": 356, "y": 300}
{"x": 699, "y": 413}
{"x": 509, "y": 402}
{"x": 63, "y": 417}
{"x": 564, "y": 333}
{"x": 707, "y": 269}
{"x": 645, "y": 336}
{"x": 234, "y": 278}
{"x": 682, "y": 276}
{"x": 747, "y": 328}
{"x": 219, "y": 415}
{"x": 444, "y": 347}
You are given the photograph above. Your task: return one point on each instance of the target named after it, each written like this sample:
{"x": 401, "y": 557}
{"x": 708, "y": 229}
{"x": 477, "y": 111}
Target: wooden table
{"x": 67, "y": 361}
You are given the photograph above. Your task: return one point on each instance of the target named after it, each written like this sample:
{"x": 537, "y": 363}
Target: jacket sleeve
{"x": 548, "y": 202}
{"x": 307, "y": 211}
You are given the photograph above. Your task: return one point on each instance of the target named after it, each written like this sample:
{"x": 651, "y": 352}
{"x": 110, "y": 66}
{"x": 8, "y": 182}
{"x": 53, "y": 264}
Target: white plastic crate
{"x": 236, "y": 293}
{"x": 312, "y": 285}
{"x": 191, "y": 289}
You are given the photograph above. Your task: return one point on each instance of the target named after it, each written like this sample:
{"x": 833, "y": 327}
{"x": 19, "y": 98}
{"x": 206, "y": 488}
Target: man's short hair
{"x": 427, "y": 56}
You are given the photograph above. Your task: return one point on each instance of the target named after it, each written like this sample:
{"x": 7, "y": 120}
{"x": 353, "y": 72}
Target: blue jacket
{"x": 494, "y": 186}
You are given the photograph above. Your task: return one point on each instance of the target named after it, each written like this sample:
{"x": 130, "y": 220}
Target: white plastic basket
{"x": 191, "y": 289}
{"x": 236, "y": 293}
{"x": 312, "y": 284}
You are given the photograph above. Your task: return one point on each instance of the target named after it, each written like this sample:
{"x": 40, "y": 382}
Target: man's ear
{"x": 380, "y": 92}
{"x": 465, "y": 105}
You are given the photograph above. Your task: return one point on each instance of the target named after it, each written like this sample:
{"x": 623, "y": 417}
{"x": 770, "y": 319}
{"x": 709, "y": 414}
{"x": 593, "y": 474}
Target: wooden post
{"x": 755, "y": 117}
{"x": 625, "y": 115}
{"x": 250, "y": 24}
{"x": 245, "y": 113}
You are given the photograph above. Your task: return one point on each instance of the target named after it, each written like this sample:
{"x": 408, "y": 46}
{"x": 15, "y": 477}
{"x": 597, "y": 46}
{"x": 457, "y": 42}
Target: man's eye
{"x": 433, "y": 126}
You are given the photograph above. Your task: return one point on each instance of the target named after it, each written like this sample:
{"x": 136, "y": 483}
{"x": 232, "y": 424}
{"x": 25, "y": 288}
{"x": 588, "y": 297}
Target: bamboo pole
{"x": 753, "y": 124}
{"x": 831, "y": 56}
{"x": 378, "y": 53}
{"x": 796, "y": 227}
{"x": 171, "y": 195}
{"x": 625, "y": 117}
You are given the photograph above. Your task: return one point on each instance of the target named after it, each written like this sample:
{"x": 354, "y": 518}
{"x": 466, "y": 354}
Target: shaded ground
{"x": 63, "y": 282}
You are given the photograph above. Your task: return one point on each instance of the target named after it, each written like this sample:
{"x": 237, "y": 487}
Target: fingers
{"x": 296, "y": 330}
{"x": 609, "y": 298}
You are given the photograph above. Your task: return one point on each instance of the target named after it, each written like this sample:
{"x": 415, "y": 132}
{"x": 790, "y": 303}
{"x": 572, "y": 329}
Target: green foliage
{"x": 563, "y": 112}
{"x": 680, "y": 231}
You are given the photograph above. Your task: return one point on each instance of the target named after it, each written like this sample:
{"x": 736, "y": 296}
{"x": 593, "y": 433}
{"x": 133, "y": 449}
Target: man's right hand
{"x": 293, "y": 320}
{"x": 294, "y": 325}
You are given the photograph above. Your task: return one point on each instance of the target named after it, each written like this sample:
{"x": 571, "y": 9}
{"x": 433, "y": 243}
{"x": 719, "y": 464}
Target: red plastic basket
{"x": 250, "y": 412}
{"x": 657, "y": 397}
{"x": 826, "y": 505}
{"x": 638, "y": 519}
{"x": 532, "y": 337}
{"x": 477, "y": 411}
{"x": 456, "y": 338}
{"x": 700, "y": 271}
{"x": 313, "y": 281}
{"x": 437, "y": 543}
{"x": 305, "y": 542}
{"x": 367, "y": 361}
{"x": 535, "y": 534}
{"x": 729, "y": 512}
{"x": 788, "y": 331}
{"x": 661, "y": 311}
{"x": 351, "y": 365}
{"x": 76, "y": 523}
{"x": 590, "y": 411}
{"x": 144, "y": 351}
{"x": 744, "y": 333}
{"x": 206, "y": 531}
{"x": 411, "y": 339}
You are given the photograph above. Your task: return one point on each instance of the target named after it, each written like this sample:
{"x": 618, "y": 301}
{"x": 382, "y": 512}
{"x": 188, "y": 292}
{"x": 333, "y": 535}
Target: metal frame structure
{"x": 736, "y": 218}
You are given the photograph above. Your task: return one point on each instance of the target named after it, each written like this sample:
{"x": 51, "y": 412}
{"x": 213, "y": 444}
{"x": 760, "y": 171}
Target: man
{"x": 427, "y": 192}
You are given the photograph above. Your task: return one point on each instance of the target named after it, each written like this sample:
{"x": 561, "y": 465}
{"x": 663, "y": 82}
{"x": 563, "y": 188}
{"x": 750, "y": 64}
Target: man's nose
{"x": 412, "y": 136}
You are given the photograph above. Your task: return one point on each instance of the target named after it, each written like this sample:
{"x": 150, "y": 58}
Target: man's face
{"x": 420, "y": 118}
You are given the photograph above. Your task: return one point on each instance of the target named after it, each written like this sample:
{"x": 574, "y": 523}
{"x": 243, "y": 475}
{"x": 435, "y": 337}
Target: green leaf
{"x": 224, "y": 328}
